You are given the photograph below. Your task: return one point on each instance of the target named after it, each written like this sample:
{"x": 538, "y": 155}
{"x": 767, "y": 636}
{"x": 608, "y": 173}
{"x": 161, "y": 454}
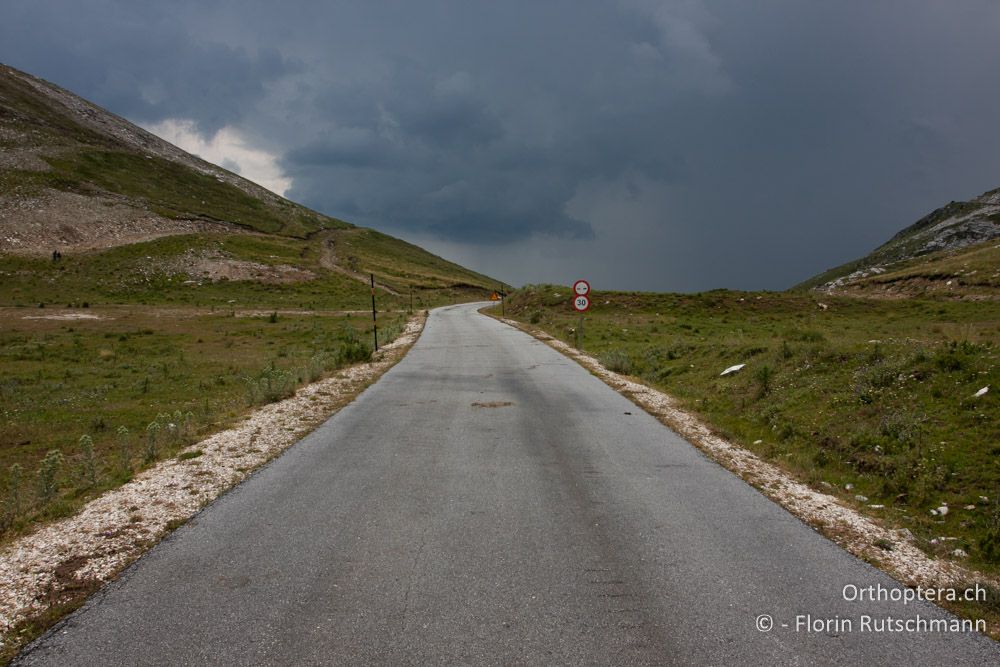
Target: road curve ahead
{"x": 488, "y": 502}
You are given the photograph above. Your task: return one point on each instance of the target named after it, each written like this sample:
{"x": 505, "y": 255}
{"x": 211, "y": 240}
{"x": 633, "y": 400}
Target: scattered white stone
{"x": 757, "y": 442}
{"x": 877, "y": 507}
{"x": 822, "y": 306}
{"x": 940, "y": 511}
{"x": 984, "y": 499}
{"x": 959, "y": 553}
{"x": 848, "y": 487}
{"x": 64, "y": 316}
{"x": 981, "y": 392}
{"x": 861, "y": 498}
{"x": 732, "y": 369}
{"x": 970, "y": 507}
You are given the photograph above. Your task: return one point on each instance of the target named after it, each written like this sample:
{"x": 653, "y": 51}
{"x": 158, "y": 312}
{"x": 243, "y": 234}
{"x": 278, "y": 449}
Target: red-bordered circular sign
{"x": 581, "y": 302}
{"x": 581, "y": 287}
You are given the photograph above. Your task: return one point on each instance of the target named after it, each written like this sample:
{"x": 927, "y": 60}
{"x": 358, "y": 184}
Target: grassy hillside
{"x": 403, "y": 265}
{"x": 871, "y": 400}
{"x": 966, "y": 273}
{"x": 950, "y": 229}
{"x": 245, "y": 271}
{"x": 57, "y": 144}
{"x": 42, "y": 122}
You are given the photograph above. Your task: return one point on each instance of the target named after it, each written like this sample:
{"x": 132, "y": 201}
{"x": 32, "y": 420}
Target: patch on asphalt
{"x": 492, "y": 404}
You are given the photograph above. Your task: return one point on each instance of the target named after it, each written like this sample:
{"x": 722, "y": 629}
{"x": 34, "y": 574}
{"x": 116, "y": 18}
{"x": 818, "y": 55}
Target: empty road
{"x": 489, "y": 502}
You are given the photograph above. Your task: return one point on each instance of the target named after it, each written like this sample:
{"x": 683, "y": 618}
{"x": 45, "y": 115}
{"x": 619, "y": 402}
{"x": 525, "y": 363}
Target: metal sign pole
{"x": 580, "y": 303}
{"x": 502, "y": 295}
{"x": 374, "y": 321}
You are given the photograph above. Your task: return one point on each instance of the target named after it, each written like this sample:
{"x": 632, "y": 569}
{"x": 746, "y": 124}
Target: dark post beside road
{"x": 374, "y": 321}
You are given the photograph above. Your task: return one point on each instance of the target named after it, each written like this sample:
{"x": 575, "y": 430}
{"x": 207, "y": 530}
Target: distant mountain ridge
{"x": 955, "y": 228}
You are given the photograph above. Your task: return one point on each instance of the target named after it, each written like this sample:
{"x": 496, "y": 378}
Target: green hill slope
{"x": 122, "y": 203}
{"x": 960, "y": 231}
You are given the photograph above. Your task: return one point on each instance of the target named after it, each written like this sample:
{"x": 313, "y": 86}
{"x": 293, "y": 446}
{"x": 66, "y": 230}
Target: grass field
{"x": 872, "y": 400}
{"x": 109, "y": 377}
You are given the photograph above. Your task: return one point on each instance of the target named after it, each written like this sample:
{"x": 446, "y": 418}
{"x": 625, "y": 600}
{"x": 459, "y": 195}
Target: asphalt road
{"x": 490, "y": 502}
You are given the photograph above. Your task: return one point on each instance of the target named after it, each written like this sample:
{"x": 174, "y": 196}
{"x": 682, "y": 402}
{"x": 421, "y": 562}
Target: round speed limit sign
{"x": 581, "y": 287}
{"x": 581, "y": 303}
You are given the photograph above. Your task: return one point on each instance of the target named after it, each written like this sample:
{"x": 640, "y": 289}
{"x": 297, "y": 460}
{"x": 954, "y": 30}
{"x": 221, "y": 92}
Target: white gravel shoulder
{"x": 41, "y": 569}
{"x": 855, "y": 532}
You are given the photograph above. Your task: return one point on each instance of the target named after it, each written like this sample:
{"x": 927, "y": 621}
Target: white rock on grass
{"x": 732, "y": 369}
{"x": 981, "y": 392}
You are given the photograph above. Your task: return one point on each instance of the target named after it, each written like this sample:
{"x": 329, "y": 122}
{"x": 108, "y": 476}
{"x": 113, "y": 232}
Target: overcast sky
{"x": 647, "y": 145}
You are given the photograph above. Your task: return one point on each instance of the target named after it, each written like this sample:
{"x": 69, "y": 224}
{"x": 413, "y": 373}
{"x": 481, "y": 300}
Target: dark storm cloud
{"x": 139, "y": 59}
{"x": 649, "y": 144}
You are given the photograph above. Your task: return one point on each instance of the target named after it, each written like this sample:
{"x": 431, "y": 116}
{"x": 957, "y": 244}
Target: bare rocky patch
{"x": 214, "y": 265}
{"x": 71, "y": 222}
{"x": 23, "y": 159}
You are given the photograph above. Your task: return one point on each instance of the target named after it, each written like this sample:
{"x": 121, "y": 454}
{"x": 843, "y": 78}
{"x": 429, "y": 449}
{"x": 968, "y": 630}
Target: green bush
{"x": 616, "y": 361}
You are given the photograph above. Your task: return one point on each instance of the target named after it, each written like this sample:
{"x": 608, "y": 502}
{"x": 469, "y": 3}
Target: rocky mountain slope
{"x": 944, "y": 249}
{"x": 77, "y": 178}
